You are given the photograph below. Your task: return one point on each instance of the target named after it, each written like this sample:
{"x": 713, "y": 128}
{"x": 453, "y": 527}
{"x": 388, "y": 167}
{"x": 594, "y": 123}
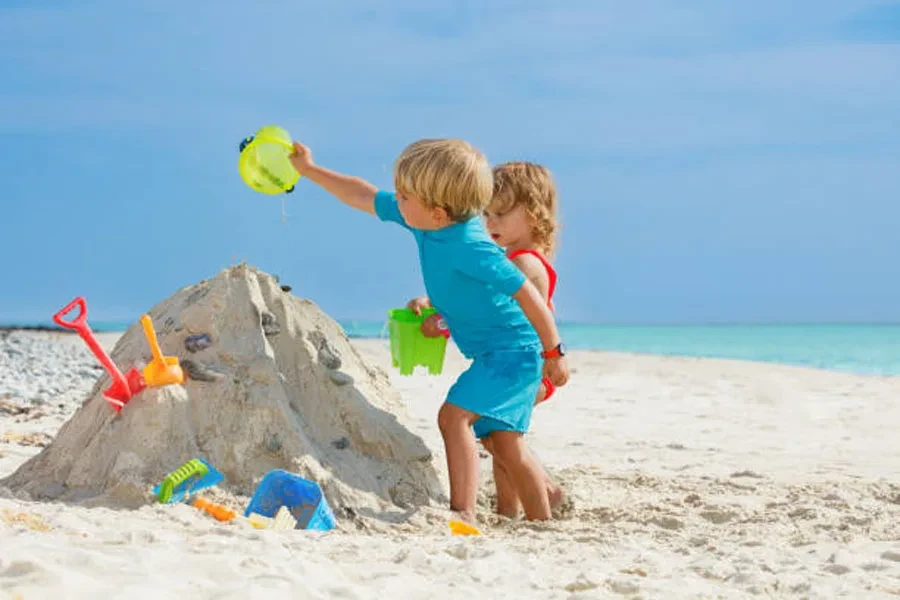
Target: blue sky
{"x": 716, "y": 161}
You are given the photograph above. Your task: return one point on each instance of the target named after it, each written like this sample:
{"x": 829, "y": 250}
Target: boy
{"x": 497, "y": 316}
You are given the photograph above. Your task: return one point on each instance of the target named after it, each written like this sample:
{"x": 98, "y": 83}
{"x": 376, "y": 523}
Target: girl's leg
{"x": 508, "y": 503}
{"x": 455, "y": 424}
{"x": 526, "y": 474}
{"x": 554, "y": 491}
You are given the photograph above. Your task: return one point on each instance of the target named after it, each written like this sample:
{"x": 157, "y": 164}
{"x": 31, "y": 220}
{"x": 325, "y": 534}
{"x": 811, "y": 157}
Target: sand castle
{"x": 271, "y": 383}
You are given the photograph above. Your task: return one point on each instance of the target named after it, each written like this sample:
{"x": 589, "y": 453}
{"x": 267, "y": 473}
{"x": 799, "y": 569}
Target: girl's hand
{"x": 417, "y": 304}
{"x": 301, "y": 158}
{"x": 556, "y": 369}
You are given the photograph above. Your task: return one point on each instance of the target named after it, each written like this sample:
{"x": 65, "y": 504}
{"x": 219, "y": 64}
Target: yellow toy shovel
{"x": 162, "y": 370}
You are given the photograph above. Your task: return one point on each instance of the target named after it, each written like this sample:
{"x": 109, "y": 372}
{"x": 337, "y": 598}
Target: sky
{"x": 716, "y": 161}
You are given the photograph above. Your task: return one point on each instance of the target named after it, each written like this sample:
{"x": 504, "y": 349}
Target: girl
{"x": 522, "y": 219}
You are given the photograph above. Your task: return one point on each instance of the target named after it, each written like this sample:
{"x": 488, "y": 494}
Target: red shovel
{"x": 123, "y": 387}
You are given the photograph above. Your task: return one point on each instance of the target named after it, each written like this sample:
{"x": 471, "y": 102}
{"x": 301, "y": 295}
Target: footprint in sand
{"x": 717, "y": 517}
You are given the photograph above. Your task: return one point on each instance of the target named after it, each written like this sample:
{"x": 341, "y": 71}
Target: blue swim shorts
{"x": 500, "y": 387}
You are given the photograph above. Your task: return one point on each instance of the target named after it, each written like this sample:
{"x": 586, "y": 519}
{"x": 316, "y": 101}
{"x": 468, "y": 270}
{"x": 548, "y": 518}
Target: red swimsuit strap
{"x": 551, "y": 272}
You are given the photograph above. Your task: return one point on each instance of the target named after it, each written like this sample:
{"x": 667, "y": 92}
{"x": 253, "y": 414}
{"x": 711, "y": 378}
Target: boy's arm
{"x": 536, "y": 310}
{"x": 488, "y": 263}
{"x": 418, "y": 303}
{"x": 352, "y": 191}
{"x": 556, "y": 368}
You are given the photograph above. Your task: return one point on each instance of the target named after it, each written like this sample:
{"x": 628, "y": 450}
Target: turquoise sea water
{"x": 865, "y": 349}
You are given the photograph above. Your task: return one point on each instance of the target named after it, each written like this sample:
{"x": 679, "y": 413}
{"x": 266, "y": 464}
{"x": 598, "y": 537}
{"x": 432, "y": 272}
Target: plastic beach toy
{"x": 264, "y": 162}
{"x": 462, "y": 528}
{"x": 283, "y": 519}
{"x": 410, "y": 347}
{"x": 193, "y": 476}
{"x": 302, "y": 497}
{"x": 162, "y": 370}
{"x": 123, "y": 386}
{"x": 219, "y": 511}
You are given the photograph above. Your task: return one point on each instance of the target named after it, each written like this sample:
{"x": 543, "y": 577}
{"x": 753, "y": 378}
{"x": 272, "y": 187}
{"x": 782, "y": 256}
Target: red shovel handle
{"x": 79, "y": 323}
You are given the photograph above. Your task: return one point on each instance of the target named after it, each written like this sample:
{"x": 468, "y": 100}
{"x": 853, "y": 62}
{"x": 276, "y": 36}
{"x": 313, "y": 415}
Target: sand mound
{"x": 275, "y": 385}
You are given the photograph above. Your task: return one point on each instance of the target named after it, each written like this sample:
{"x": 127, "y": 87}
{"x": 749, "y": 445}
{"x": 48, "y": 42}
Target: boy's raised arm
{"x": 352, "y": 191}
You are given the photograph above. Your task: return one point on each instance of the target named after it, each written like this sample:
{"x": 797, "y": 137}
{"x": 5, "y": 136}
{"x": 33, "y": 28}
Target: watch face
{"x": 562, "y": 349}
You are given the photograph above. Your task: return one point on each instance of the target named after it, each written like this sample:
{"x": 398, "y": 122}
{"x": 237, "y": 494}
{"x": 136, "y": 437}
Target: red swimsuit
{"x": 551, "y": 275}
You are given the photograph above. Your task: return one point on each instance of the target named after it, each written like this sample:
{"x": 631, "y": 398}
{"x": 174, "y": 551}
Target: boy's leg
{"x": 526, "y": 474}
{"x": 508, "y": 503}
{"x": 455, "y": 424}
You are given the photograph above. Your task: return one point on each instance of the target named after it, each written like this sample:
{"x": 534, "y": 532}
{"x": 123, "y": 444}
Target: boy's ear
{"x": 440, "y": 214}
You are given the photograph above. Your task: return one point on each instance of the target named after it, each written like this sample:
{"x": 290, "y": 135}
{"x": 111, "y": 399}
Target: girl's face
{"x": 509, "y": 227}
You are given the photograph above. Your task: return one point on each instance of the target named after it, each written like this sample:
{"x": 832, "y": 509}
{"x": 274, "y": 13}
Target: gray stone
{"x": 328, "y": 356}
{"x": 273, "y": 443}
{"x": 199, "y": 371}
{"x": 197, "y": 342}
{"x": 270, "y": 324}
{"x": 340, "y": 378}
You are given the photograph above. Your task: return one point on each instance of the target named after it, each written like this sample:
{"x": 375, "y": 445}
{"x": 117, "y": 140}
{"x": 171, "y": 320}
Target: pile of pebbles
{"x": 37, "y": 371}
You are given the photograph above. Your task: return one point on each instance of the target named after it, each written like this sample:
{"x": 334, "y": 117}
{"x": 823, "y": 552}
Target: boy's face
{"x": 419, "y": 216}
{"x": 508, "y": 226}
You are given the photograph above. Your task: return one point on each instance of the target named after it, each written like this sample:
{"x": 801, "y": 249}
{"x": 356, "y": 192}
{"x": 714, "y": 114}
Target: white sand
{"x": 691, "y": 479}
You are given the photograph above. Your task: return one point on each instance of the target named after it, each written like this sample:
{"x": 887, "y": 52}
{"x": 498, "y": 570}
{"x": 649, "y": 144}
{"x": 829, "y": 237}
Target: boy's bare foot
{"x": 465, "y": 516}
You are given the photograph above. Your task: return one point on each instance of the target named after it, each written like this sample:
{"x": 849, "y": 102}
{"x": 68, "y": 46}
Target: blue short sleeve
{"x": 486, "y": 262}
{"x": 386, "y": 208}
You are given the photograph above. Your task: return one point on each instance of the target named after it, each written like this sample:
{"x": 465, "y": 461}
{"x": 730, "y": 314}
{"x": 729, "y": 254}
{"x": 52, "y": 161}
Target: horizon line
{"x": 112, "y": 326}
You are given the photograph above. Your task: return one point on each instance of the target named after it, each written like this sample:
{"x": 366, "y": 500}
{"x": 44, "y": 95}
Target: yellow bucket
{"x": 264, "y": 163}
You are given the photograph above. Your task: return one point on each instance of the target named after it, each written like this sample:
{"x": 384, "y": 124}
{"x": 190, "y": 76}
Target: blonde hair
{"x": 531, "y": 186}
{"x": 447, "y": 173}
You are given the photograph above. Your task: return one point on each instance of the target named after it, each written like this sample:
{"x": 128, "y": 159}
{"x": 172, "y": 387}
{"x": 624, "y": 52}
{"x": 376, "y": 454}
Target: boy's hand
{"x": 556, "y": 369}
{"x": 301, "y": 158}
{"x": 434, "y": 326}
{"x": 417, "y": 304}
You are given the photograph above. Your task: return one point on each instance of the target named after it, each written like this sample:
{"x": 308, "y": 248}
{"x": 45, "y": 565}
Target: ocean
{"x": 863, "y": 349}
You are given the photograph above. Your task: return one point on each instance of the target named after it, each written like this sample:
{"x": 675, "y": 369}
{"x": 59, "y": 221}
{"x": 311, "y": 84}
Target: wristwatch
{"x": 559, "y": 350}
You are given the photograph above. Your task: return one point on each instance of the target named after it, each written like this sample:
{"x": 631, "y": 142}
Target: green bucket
{"x": 410, "y": 347}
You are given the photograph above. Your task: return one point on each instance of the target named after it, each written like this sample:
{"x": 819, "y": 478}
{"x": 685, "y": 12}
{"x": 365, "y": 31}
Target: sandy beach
{"x": 689, "y": 478}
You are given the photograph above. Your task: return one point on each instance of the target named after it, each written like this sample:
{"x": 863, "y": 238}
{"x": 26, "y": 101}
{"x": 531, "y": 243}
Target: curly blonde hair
{"x": 531, "y": 186}
{"x": 448, "y": 173}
